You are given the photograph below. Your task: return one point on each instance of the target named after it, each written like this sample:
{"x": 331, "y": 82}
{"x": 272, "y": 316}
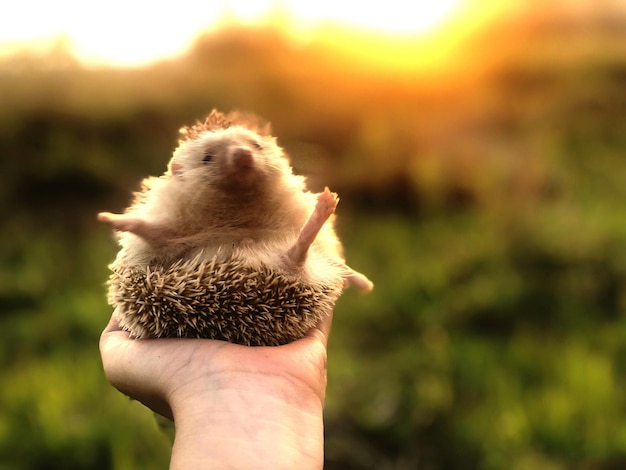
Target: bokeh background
{"x": 480, "y": 159}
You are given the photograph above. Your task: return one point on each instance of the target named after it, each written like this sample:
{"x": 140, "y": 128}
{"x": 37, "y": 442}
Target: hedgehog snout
{"x": 243, "y": 158}
{"x": 241, "y": 170}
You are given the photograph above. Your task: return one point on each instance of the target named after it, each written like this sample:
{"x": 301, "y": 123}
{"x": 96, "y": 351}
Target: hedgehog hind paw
{"x": 358, "y": 280}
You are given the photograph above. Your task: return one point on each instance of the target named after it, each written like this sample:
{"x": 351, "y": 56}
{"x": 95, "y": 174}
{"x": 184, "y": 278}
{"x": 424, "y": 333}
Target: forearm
{"x": 244, "y": 422}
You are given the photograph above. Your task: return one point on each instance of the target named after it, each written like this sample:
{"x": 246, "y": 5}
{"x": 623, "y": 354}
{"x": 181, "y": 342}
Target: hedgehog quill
{"x": 228, "y": 243}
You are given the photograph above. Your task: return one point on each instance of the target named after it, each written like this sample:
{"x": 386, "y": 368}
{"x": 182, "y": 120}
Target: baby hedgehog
{"x": 228, "y": 243}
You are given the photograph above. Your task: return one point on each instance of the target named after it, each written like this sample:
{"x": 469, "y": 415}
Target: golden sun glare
{"x": 392, "y": 17}
{"x": 119, "y": 32}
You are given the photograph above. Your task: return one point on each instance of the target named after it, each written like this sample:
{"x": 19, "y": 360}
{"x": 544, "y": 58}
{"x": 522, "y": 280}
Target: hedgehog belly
{"x": 224, "y": 300}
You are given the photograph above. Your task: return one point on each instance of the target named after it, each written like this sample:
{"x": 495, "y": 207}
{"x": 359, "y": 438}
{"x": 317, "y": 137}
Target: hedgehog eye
{"x": 256, "y": 145}
{"x": 208, "y": 157}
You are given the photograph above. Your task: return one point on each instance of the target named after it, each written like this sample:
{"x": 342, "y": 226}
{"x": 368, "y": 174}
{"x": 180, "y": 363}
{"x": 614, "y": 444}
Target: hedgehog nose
{"x": 242, "y": 157}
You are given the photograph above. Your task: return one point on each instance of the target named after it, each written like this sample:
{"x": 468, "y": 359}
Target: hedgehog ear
{"x": 176, "y": 168}
{"x": 266, "y": 130}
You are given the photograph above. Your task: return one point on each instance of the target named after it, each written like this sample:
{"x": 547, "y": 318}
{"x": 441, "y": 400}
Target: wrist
{"x": 265, "y": 421}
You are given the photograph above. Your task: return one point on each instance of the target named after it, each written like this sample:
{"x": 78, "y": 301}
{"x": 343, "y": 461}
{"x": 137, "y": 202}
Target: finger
{"x": 132, "y": 366}
{"x": 321, "y": 331}
{"x": 114, "y": 324}
{"x": 112, "y": 334}
{"x": 325, "y": 324}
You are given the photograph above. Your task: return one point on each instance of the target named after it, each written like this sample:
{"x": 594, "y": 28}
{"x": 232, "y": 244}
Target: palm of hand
{"x": 165, "y": 372}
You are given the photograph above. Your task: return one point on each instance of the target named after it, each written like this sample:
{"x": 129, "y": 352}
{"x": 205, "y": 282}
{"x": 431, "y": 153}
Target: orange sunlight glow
{"x": 125, "y": 33}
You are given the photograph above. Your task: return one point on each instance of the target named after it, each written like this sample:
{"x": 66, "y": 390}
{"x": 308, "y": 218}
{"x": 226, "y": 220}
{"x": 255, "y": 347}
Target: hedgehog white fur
{"x": 228, "y": 243}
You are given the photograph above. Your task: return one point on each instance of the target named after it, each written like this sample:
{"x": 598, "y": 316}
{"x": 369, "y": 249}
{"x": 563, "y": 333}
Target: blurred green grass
{"x": 489, "y": 212}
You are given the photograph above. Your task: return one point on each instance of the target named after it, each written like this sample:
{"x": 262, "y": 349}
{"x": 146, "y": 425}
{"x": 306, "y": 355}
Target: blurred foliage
{"x": 486, "y": 203}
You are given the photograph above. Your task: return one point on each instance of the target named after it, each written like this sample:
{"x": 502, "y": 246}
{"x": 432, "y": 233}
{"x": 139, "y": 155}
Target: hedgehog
{"x": 228, "y": 243}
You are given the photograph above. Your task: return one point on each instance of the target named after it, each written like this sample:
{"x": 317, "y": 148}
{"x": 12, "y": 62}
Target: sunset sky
{"x": 119, "y": 32}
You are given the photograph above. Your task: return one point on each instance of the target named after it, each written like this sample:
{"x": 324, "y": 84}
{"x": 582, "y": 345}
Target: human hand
{"x": 245, "y": 406}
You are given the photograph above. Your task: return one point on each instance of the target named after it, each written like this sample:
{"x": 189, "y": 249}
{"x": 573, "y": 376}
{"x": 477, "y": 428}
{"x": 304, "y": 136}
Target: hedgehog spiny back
{"x": 224, "y": 299}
